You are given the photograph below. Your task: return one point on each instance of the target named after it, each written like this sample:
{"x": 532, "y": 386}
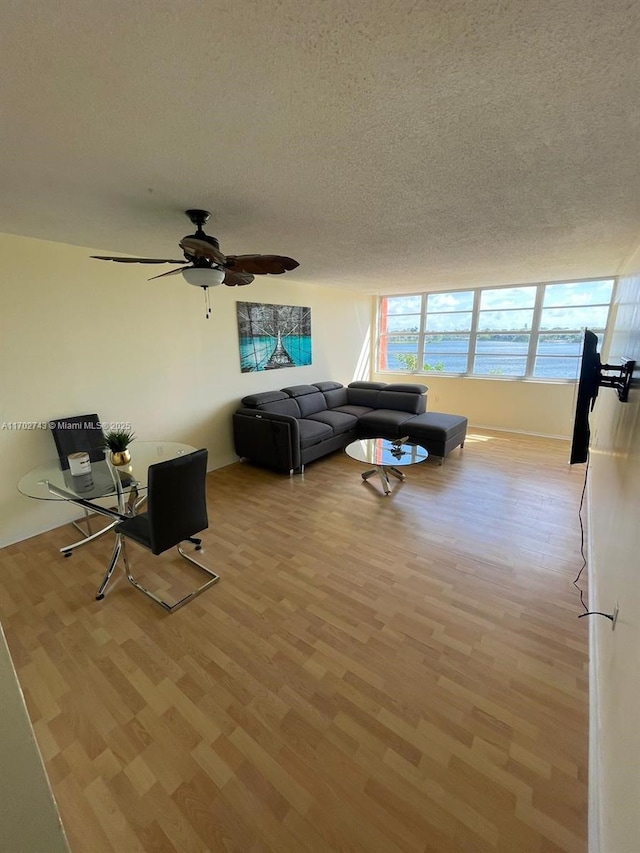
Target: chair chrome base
{"x": 170, "y": 608}
{"x": 115, "y": 555}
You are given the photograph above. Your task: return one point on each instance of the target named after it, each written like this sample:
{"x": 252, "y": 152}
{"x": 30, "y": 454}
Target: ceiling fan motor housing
{"x": 198, "y": 217}
{"x": 197, "y": 260}
{"x": 202, "y": 236}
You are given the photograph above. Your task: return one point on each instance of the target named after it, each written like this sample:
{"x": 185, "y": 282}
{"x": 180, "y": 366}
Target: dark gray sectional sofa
{"x": 285, "y": 429}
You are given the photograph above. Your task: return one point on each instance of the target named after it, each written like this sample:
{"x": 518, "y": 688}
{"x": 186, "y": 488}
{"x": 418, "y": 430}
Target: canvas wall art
{"x": 273, "y": 336}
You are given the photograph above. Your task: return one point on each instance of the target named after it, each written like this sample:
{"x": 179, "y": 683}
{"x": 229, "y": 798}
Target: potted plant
{"x": 118, "y": 441}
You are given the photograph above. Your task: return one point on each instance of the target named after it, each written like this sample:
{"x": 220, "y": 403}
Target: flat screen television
{"x": 593, "y": 375}
{"x": 588, "y": 385}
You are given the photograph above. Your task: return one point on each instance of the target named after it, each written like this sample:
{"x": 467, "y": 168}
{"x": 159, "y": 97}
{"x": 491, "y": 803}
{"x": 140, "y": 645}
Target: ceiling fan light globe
{"x": 200, "y": 277}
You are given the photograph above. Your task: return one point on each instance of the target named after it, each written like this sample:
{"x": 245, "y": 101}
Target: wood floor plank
{"x": 372, "y": 674}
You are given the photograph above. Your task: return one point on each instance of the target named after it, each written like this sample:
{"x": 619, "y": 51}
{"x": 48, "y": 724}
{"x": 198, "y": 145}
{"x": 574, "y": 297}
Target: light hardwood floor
{"x": 402, "y": 674}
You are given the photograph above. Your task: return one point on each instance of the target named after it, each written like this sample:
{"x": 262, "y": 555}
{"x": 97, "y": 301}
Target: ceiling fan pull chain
{"x": 207, "y": 302}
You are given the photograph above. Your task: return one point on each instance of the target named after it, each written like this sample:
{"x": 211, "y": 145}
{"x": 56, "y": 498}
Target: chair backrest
{"x": 75, "y": 434}
{"x": 177, "y": 501}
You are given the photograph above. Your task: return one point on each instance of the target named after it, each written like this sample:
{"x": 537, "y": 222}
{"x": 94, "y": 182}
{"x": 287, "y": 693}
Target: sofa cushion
{"x": 362, "y": 383}
{"x": 364, "y": 393}
{"x": 282, "y": 407}
{"x": 309, "y": 398}
{"x": 312, "y": 432}
{"x": 356, "y": 411}
{"x": 339, "y": 421}
{"x": 384, "y": 422}
{"x": 407, "y": 387}
{"x": 438, "y": 427}
{"x": 327, "y": 386}
{"x": 312, "y": 403}
{"x": 438, "y": 432}
{"x": 335, "y": 396}
{"x": 405, "y": 401}
{"x": 255, "y": 400}
{"x": 300, "y": 390}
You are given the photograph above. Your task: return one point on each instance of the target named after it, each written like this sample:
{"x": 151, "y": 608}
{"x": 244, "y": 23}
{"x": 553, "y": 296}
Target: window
{"x": 528, "y": 331}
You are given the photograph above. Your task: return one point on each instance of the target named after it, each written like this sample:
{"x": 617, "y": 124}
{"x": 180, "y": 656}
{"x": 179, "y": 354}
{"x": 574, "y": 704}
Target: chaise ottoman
{"x": 437, "y": 432}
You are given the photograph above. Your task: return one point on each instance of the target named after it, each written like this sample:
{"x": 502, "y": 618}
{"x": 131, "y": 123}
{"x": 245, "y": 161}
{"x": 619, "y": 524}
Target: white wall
{"x": 614, "y": 563}
{"x": 79, "y": 336}
{"x": 29, "y": 819}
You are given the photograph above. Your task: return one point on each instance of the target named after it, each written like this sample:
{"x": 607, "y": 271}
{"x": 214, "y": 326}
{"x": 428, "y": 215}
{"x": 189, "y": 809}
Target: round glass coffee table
{"x": 387, "y": 456}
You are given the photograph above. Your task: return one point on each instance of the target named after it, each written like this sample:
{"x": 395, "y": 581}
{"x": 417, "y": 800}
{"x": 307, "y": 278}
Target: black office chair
{"x": 76, "y": 434}
{"x": 177, "y": 509}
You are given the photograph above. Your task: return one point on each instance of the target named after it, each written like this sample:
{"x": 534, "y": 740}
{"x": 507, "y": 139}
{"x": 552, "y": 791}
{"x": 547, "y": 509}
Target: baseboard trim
{"x": 517, "y": 431}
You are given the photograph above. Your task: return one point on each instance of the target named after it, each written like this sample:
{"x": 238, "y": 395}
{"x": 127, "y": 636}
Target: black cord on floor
{"x": 587, "y": 612}
{"x": 597, "y": 613}
{"x": 584, "y": 559}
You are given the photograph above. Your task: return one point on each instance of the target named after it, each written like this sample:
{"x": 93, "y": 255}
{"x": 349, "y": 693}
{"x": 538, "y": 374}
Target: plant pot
{"x": 120, "y": 457}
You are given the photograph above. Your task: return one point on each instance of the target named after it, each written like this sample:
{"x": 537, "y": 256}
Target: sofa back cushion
{"x": 253, "y": 401}
{"x": 309, "y": 399}
{"x": 364, "y": 393}
{"x": 402, "y": 401}
{"x": 412, "y": 387}
{"x": 276, "y": 402}
{"x": 336, "y": 397}
{"x": 282, "y": 407}
{"x": 334, "y": 393}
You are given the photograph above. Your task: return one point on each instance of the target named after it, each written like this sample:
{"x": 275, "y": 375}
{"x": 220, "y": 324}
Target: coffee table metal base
{"x": 387, "y": 456}
{"x": 382, "y": 471}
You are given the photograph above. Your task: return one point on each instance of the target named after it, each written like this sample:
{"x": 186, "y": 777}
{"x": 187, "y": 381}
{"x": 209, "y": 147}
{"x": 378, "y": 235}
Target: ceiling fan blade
{"x": 138, "y": 260}
{"x": 197, "y": 248}
{"x": 171, "y": 272}
{"x": 260, "y": 264}
{"x": 235, "y": 279}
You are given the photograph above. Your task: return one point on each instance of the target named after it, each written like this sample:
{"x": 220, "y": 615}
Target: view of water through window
{"x": 532, "y": 331}
{"x": 555, "y": 360}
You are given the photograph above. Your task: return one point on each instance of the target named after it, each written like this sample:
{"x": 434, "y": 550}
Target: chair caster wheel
{"x": 99, "y": 597}
{"x": 66, "y": 554}
{"x": 198, "y": 548}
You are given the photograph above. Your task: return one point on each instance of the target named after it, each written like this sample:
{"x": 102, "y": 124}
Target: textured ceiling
{"x": 393, "y": 145}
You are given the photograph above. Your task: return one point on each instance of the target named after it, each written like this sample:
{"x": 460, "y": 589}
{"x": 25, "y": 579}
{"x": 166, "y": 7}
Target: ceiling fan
{"x": 205, "y": 266}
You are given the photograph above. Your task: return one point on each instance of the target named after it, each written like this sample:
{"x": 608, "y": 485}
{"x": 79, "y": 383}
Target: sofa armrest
{"x": 267, "y": 438}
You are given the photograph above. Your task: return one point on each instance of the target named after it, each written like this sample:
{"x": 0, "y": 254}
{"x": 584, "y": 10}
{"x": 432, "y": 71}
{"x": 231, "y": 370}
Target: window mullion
{"x": 421, "y": 333}
{"x": 475, "y": 315}
{"x": 535, "y": 331}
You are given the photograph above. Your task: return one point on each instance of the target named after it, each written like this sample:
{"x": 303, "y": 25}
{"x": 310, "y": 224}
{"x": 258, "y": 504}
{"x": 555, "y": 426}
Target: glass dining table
{"x": 125, "y": 485}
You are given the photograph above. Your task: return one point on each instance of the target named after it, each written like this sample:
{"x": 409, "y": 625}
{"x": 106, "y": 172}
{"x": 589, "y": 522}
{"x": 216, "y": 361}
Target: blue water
{"x": 555, "y": 360}
{"x": 255, "y": 352}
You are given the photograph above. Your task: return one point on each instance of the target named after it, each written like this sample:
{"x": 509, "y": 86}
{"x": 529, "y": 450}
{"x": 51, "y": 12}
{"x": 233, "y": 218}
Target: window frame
{"x": 535, "y": 332}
